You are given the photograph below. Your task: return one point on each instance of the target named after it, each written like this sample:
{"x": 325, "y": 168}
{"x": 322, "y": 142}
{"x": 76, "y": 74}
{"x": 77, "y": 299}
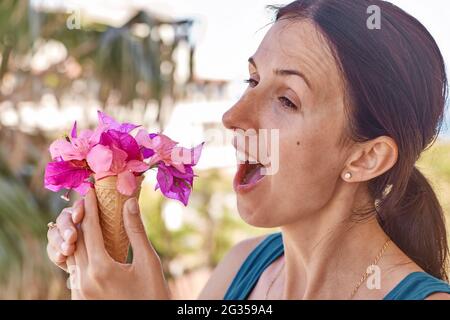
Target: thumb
{"x": 135, "y": 230}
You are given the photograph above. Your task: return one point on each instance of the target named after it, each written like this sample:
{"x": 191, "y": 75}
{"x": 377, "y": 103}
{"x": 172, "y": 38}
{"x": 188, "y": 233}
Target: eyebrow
{"x": 285, "y": 72}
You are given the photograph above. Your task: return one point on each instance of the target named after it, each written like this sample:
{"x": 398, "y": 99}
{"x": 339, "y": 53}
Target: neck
{"x": 327, "y": 252}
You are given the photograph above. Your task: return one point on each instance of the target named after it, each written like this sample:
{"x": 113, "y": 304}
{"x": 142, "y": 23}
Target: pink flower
{"x": 117, "y": 155}
{"x": 166, "y": 151}
{"x": 108, "y": 121}
{"x": 76, "y": 147}
{"x": 175, "y": 184}
{"x": 175, "y": 175}
{"x": 110, "y": 150}
{"x": 67, "y": 175}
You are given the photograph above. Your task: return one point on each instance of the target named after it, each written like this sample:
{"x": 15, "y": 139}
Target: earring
{"x": 348, "y": 175}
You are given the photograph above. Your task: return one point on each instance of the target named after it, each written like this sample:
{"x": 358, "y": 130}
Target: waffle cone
{"x": 110, "y": 208}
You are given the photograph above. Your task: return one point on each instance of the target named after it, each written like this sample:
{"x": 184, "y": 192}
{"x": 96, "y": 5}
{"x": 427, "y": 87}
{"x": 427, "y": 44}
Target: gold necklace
{"x": 360, "y": 282}
{"x": 366, "y": 274}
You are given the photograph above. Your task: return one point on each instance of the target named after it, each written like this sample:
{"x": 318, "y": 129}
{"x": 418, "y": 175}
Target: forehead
{"x": 297, "y": 44}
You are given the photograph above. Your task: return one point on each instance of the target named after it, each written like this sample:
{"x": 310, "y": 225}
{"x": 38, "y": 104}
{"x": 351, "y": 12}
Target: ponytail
{"x": 416, "y": 225}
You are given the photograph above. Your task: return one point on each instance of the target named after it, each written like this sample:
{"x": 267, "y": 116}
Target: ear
{"x": 370, "y": 159}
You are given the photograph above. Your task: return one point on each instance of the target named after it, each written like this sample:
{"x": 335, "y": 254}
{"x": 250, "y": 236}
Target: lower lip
{"x": 244, "y": 188}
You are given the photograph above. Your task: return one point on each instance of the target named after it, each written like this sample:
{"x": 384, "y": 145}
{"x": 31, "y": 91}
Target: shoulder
{"x": 439, "y": 296}
{"x": 225, "y": 271}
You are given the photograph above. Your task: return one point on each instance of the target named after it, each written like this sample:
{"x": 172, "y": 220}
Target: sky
{"x": 228, "y": 32}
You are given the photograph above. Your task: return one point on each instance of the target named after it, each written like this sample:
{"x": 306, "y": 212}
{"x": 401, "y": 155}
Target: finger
{"x": 66, "y": 226}
{"x": 78, "y": 211}
{"x": 67, "y": 249}
{"x": 142, "y": 249}
{"x": 58, "y": 243}
{"x": 55, "y": 239}
{"x": 80, "y": 257}
{"x": 90, "y": 226}
{"x": 56, "y": 257}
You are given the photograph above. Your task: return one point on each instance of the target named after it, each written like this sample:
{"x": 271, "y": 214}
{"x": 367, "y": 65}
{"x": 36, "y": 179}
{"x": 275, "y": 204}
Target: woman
{"x": 355, "y": 107}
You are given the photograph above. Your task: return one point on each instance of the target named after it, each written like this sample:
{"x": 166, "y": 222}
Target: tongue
{"x": 253, "y": 175}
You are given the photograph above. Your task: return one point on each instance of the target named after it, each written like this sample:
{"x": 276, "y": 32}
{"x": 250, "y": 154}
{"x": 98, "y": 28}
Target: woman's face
{"x": 306, "y": 105}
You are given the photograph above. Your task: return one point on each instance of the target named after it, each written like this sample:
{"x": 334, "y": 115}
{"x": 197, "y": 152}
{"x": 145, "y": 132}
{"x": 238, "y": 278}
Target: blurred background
{"x": 172, "y": 66}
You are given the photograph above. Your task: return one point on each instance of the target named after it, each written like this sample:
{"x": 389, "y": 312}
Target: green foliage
{"x": 25, "y": 271}
{"x": 435, "y": 164}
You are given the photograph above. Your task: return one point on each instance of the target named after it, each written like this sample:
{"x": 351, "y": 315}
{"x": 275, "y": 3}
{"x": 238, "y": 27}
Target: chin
{"x": 256, "y": 215}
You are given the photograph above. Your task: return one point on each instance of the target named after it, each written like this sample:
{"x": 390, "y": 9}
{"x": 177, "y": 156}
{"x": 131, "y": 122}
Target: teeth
{"x": 245, "y": 158}
{"x": 252, "y": 159}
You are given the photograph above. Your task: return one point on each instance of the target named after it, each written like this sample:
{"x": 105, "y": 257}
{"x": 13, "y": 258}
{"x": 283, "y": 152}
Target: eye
{"x": 251, "y": 82}
{"x": 287, "y": 103}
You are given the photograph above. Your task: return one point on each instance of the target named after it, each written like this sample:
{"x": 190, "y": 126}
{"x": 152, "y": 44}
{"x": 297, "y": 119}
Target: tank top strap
{"x": 417, "y": 286}
{"x": 267, "y": 251}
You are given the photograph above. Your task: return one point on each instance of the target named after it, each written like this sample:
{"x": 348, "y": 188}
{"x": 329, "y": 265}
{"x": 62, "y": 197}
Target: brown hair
{"x": 396, "y": 85}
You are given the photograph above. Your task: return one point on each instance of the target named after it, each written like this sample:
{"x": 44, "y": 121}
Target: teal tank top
{"x": 415, "y": 286}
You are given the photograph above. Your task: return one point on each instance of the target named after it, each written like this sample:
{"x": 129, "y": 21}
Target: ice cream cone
{"x": 110, "y": 208}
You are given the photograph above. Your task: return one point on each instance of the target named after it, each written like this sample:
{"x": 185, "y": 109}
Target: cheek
{"x": 309, "y": 167}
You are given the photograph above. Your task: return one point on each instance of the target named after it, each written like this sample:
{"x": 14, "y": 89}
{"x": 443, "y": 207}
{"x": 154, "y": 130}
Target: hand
{"x": 96, "y": 275}
{"x": 62, "y": 237}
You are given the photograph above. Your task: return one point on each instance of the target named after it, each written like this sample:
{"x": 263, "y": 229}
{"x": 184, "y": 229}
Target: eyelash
{"x": 284, "y": 101}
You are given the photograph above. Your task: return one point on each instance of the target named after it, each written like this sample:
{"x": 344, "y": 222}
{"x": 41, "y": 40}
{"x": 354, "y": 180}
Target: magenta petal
{"x": 188, "y": 173}
{"x": 119, "y": 159}
{"x": 66, "y": 150}
{"x": 147, "y": 153}
{"x": 172, "y": 186}
{"x": 178, "y": 166}
{"x": 100, "y": 158}
{"x": 165, "y": 179}
{"x": 123, "y": 141}
{"x": 96, "y": 134}
{"x": 113, "y": 124}
{"x": 64, "y": 174}
{"x": 178, "y": 192}
{"x": 127, "y": 127}
{"x": 85, "y": 134}
{"x": 187, "y": 156}
{"x": 163, "y": 145}
{"x": 52, "y": 187}
{"x": 103, "y": 118}
{"x": 58, "y": 147}
{"x": 73, "y": 133}
{"x": 137, "y": 166}
{"x": 101, "y": 175}
{"x": 143, "y": 139}
{"x": 126, "y": 183}
{"x": 196, "y": 152}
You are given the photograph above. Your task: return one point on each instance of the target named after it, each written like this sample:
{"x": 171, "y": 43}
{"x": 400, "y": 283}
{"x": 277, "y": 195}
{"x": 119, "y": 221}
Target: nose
{"x": 239, "y": 115}
{"x": 227, "y": 119}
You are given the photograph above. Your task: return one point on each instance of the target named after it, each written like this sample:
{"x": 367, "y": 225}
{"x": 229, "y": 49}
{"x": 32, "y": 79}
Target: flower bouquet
{"x": 113, "y": 162}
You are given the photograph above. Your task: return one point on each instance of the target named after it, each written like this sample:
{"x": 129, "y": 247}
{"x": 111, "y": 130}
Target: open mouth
{"x": 252, "y": 173}
{"x": 248, "y": 175}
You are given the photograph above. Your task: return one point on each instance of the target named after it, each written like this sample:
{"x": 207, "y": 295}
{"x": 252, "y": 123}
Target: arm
{"x": 225, "y": 271}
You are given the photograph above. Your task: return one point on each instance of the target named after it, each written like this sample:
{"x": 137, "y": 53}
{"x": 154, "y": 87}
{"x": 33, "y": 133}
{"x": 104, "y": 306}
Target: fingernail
{"x": 67, "y": 234}
{"x": 133, "y": 206}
